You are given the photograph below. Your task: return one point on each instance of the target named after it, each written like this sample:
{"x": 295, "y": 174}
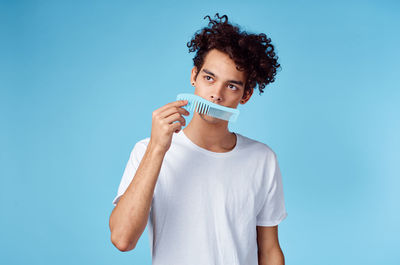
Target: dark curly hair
{"x": 251, "y": 53}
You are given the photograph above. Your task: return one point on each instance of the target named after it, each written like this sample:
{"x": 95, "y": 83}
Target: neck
{"x": 210, "y": 133}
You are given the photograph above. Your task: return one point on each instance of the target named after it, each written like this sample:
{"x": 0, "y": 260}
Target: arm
{"x": 269, "y": 250}
{"x": 129, "y": 217}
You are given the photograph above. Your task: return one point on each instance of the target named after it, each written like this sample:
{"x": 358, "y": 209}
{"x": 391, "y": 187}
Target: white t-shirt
{"x": 206, "y": 205}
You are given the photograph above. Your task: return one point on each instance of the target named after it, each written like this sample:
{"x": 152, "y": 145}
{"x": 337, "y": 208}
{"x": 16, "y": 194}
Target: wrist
{"x": 155, "y": 149}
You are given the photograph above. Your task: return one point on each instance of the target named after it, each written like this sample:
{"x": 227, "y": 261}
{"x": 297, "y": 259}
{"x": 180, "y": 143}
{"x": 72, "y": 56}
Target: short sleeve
{"x": 273, "y": 210}
{"x": 132, "y": 165}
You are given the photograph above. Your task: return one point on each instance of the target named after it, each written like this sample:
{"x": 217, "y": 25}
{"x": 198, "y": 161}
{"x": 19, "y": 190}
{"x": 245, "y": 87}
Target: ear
{"x": 193, "y": 75}
{"x": 247, "y": 96}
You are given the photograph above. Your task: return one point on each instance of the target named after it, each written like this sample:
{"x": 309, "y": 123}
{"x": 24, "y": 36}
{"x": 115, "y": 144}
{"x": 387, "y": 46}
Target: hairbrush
{"x": 204, "y": 106}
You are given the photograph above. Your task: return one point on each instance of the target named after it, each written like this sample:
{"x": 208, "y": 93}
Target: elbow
{"x": 119, "y": 237}
{"x": 122, "y": 245}
{"x": 121, "y": 242}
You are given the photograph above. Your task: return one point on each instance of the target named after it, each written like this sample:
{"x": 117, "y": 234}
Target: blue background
{"x": 79, "y": 81}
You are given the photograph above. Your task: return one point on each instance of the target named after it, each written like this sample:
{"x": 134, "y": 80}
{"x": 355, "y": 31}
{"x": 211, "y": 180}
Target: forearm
{"x": 129, "y": 217}
{"x": 272, "y": 257}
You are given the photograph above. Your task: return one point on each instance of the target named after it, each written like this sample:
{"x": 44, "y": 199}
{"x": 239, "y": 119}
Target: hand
{"x": 163, "y": 125}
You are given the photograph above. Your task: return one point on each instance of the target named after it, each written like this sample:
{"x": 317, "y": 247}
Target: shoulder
{"x": 144, "y": 141}
{"x": 140, "y": 146}
{"x": 257, "y": 147}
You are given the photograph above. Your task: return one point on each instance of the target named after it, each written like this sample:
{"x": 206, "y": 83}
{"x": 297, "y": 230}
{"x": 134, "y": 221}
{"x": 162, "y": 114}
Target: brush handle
{"x": 215, "y": 110}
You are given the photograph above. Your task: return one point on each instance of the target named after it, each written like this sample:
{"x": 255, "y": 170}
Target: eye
{"x": 234, "y": 86}
{"x": 207, "y": 76}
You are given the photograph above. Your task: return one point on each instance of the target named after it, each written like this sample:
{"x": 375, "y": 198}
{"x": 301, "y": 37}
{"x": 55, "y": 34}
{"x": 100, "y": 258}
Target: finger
{"x": 175, "y": 127}
{"x": 175, "y": 117}
{"x": 177, "y": 103}
{"x": 172, "y": 110}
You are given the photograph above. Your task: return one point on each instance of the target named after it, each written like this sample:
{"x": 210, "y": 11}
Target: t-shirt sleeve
{"x": 132, "y": 165}
{"x": 273, "y": 210}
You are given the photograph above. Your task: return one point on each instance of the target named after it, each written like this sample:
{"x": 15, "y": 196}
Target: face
{"x": 220, "y": 82}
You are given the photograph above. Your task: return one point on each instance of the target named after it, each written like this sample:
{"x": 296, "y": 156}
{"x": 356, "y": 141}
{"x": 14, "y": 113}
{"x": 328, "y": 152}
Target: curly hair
{"x": 252, "y": 53}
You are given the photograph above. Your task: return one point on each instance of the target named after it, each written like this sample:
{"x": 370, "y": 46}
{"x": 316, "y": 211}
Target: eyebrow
{"x": 240, "y": 83}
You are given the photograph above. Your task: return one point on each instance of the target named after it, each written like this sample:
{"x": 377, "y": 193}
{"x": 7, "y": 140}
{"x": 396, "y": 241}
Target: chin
{"x": 210, "y": 119}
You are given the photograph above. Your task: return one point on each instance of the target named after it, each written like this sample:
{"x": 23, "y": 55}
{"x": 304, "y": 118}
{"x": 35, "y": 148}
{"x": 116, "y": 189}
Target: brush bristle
{"x": 203, "y": 106}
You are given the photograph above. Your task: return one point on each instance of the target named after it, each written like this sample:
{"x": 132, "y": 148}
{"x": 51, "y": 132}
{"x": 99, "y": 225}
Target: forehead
{"x": 222, "y": 66}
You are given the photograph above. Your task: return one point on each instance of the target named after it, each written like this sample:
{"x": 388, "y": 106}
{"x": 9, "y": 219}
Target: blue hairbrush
{"x": 204, "y": 106}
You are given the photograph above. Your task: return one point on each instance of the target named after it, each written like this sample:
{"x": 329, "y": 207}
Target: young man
{"x": 209, "y": 196}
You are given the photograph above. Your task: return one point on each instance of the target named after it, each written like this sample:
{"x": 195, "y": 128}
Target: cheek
{"x": 201, "y": 88}
{"x": 235, "y": 102}
{"x": 200, "y": 91}
{"x": 204, "y": 83}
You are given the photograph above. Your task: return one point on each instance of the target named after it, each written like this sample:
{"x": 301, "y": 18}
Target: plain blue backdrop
{"x": 79, "y": 81}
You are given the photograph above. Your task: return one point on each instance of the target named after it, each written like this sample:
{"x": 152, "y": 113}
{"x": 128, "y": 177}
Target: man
{"x": 209, "y": 196}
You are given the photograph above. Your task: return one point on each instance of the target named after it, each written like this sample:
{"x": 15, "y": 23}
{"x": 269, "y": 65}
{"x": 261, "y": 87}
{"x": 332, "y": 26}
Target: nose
{"x": 216, "y": 96}
{"x": 215, "y": 99}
